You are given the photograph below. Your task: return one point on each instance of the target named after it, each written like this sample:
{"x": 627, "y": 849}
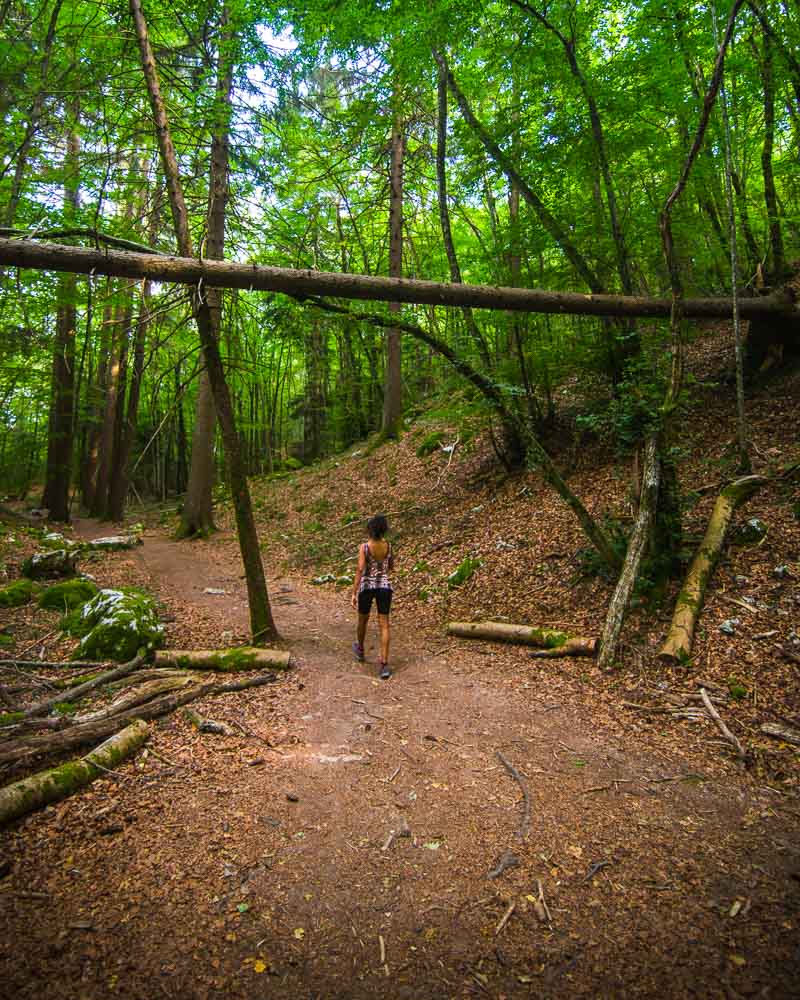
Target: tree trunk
{"x": 206, "y": 316}
{"x": 304, "y": 283}
{"x": 39, "y": 790}
{"x": 444, "y": 218}
{"x": 62, "y": 420}
{"x": 678, "y": 644}
{"x": 197, "y": 515}
{"x": 777, "y": 271}
{"x": 105, "y": 447}
{"x": 393, "y": 388}
{"x": 641, "y": 538}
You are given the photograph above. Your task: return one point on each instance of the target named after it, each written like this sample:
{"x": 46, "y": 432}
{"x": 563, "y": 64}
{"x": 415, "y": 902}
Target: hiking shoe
{"x": 386, "y": 672}
{"x": 358, "y": 651}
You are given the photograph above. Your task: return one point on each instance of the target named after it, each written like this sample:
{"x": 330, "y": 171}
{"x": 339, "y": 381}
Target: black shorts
{"x": 383, "y": 598}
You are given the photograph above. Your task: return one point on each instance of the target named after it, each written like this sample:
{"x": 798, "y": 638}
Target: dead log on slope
{"x": 38, "y": 790}
{"x": 552, "y": 641}
{"x": 781, "y": 733}
{"x": 224, "y": 660}
{"x": 678, "y": 644}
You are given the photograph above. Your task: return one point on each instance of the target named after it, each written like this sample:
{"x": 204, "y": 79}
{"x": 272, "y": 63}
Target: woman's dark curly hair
{"x": 377, "y": 527}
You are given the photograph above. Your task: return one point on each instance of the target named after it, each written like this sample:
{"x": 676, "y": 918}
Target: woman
{"x": 375, "y": 562}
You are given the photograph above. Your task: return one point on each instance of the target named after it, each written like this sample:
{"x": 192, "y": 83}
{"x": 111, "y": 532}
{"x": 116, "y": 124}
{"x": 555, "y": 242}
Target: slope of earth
{"x": 342, "y": 847}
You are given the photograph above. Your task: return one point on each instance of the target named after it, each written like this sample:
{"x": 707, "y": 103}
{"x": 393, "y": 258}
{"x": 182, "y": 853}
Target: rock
{"x": 750, "y": 533}
{"x": 54, "y": 540}
{"x": 113, "y": 543}
{"x": 782, "y": 572}
{"x": 728, "y": 627}
{"x": 114, "y": 624}
{"x": 214, "y": 591}
{"x": 44, "y": 565}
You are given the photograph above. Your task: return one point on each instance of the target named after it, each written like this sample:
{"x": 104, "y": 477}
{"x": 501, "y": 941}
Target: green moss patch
{"x": 114, "y": 624}
{"x": 67, "y": 595}
{"x": 231, "y": 660}
{"x": 17, "y": 593}
{"x": 463, "y": 571}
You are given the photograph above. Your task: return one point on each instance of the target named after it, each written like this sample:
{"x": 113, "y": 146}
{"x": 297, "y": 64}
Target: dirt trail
{"x": 240, "y": 869}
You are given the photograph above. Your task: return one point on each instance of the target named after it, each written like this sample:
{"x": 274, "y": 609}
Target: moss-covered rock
{"x": 46, "y": 565}
{"x": 67, "y": 595}
{"x": 54, "y": 540}
{"x": 17, "y": 593}
{"x": 114, "y": 543}
{"x": 114, "y": 624}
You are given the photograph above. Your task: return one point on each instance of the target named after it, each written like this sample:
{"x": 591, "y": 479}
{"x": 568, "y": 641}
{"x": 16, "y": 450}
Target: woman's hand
{"x": 353, "y": 601}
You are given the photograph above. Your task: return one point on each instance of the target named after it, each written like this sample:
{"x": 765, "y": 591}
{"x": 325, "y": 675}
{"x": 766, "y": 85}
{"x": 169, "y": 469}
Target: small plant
{"x": 465, "y": 569}
{"x": 736, "y": 689}
{"x": 430, "y": 444}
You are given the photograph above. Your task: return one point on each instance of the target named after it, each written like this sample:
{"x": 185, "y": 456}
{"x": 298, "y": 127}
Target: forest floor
{"x": 263, "y": 865}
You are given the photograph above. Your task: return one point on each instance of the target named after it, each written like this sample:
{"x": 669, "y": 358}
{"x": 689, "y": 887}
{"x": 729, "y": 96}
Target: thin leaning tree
{"x": 206, "y": 306}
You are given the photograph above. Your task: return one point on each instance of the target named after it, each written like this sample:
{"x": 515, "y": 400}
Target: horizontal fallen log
{"x": 246, "y": 682}
{"x": 28, "y": 747}
{"x": 23, "y": 797}
{"x": 224, "y": 660}
{"x": 300, "y": 283}
{"x": 555, "y": 642}
{"x": 781, "y": 733}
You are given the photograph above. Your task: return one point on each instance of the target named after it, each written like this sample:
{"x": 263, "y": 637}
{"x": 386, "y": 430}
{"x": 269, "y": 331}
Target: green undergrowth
{"x": 18, "y": 593}
{"x": 68, "y": 595}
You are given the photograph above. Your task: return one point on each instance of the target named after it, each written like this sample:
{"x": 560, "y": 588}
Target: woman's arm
{"x": 362, "y": 563}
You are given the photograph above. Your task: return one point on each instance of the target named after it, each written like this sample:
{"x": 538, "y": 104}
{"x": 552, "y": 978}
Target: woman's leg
{"x": 383, "y": 624}
{"x": 362, "y": 627}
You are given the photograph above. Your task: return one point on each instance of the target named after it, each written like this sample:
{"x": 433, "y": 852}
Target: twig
{"x": 525, "y": 823}
{"x": 594, "y": 869}
{"x": 505, "y": 918}
{"x": 714, "y": 714}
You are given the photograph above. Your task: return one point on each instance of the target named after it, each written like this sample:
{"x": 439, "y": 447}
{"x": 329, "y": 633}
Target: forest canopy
{"x": 503, "y": 144}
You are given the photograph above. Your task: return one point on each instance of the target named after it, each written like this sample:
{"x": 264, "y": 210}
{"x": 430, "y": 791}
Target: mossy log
{"x": 525, "y": 635}
{"x": 22, "y": 797}
{"x": 678, "y": 644}
{"x": 224, "y": 660}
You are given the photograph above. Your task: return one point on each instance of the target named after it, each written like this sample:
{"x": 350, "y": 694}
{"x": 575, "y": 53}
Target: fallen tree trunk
{"x": 525, "y": 635}
{"x": 580, "y": 646}
{"x": 139, "y": 696}
{"x": 27, "y": 747}
{"x": 678, "y": 644}
{"x": 38, "y": 790}
{"x": 296, "y": 282}
{"x": 223, "y": 660}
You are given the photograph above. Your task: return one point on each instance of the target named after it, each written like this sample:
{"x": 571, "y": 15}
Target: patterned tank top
{"x": 376, "y": 571}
